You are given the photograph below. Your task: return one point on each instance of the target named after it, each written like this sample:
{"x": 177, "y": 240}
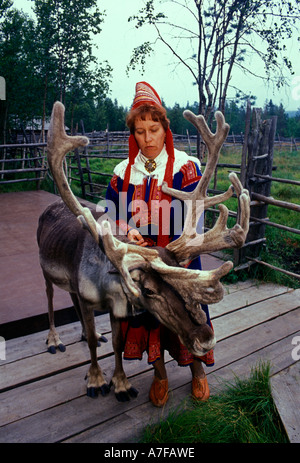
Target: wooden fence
{"x": 19, "y": 161}
{"x": 255, "y": 171}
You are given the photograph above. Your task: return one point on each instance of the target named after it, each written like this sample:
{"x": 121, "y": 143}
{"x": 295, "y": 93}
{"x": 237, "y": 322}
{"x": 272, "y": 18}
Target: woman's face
{"x": 150, "y": 136}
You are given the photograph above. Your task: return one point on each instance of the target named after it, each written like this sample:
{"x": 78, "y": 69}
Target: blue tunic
{"x": 140, "y": 209}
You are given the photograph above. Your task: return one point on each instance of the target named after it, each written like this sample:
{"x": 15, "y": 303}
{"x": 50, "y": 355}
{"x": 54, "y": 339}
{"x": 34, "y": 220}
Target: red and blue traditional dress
{"x": 140, "y": 209}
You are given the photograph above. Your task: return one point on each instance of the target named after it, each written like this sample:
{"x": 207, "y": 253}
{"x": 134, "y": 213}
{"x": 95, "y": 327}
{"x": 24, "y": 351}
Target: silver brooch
{"x": 150, "y": 165}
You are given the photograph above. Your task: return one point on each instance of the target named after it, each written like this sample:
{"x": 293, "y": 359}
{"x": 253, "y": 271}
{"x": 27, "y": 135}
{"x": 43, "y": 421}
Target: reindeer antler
{"x": 190, "y": 244}
{"x": 194, "y": 286}
{"x": 58, "y": 145}
{"x": 120, "y": 254}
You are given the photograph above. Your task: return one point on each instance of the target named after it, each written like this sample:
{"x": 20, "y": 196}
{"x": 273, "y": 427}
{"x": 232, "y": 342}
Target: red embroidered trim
{"x": 138, "y": 340}
{"x": 114, "y": 183}
{"x": 189, "y": 174}
{"x": 151, "y": 213}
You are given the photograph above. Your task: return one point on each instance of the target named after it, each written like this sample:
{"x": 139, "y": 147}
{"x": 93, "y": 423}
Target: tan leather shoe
{"x": 159, "y": 392}
{"x": 200, "y": 389}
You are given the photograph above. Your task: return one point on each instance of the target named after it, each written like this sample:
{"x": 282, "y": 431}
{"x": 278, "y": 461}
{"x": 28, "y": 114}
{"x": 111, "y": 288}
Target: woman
{"x": 137, "y": 180}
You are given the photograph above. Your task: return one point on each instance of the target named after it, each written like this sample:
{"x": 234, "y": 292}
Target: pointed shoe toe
{"x": 159, "y": 392}
{"x": 200, "y": 389}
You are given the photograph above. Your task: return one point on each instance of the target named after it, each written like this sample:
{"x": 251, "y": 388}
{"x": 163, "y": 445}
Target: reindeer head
{"x": 153, "y": 278}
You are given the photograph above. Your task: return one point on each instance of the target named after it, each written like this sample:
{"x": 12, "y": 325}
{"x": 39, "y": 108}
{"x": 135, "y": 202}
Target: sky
{"x": 119, "y": 37}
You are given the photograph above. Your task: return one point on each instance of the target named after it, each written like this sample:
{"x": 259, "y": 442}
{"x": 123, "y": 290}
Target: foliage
{"x": 50, "y": 58}
{"x": 242, "y": 411}
{"x": 42, "y": 60}
{"x": 212, "y": 38}
{"x": 68, "y": 59}
{"x": 235, "y": 114}
{"x": 17, "y": 39}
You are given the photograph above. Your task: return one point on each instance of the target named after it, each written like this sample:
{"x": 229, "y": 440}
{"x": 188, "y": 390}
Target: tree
{"x": 213, "y": 38}
{"x": 65, "y": 28}
{"x": 270, "y": 109}
{"x": 50, "y": 58}
{"x": 17, "y": 38}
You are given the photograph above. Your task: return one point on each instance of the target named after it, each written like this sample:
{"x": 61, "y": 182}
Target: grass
{"x": 242, "y": 412}
{"x": 282, "y": 248}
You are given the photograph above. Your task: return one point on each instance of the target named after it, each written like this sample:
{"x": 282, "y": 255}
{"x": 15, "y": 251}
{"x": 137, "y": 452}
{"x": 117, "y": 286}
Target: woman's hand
{"x": 134, "y": 235}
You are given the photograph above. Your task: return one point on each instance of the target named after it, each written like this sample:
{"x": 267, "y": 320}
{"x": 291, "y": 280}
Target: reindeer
{"x": 79, "y": 253}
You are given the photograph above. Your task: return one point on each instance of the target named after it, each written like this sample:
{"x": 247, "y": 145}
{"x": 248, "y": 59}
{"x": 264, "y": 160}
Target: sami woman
{"x": 137, "y": 181}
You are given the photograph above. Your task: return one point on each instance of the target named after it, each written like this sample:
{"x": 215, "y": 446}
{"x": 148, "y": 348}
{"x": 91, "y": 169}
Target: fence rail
{"x": 29, "y": 159}
{"x": 19, "y": 159}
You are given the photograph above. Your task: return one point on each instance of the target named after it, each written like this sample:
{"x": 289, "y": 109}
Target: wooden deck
{"x": 22, "y": 285}
{"x": 43, "y": 396}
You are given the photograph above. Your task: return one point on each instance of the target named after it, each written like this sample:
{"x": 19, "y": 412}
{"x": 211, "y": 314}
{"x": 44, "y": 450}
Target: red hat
{"x": 145, "y": 94}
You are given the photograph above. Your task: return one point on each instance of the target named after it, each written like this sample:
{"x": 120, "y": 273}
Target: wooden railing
{"x": 19, "y": 159}
{"x": 255, "y": 171}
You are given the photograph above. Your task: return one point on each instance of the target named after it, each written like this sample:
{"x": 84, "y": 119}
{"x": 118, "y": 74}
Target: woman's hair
{"x": 158, "y": 114}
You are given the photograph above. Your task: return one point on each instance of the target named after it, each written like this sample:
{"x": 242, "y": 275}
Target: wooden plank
{"x": 285, "y": 390}
{"x": 235, "y": 322}
{"x": 52, "y": 391}
{"x": 76, "y": 415}
{"x": 41, "y": 365}
{"x": 136, "y": 418}
{"x": 237, "y": 300}
{"x": 36, "y": 367}
{"x": 68, "y": 385}
{"x": 34, "y": 344}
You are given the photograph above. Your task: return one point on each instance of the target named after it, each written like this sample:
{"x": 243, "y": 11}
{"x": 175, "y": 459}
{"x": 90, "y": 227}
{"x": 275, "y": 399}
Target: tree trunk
{"x": 260, "y": 161}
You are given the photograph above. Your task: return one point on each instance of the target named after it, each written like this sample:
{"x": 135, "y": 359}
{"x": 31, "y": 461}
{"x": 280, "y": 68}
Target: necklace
{"x": 150, "y": 165}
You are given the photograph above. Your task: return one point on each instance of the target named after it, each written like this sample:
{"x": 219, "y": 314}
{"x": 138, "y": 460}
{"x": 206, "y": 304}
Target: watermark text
{"x": 156, "y": 214}
{"x": 2, "y": 348}
{"x": 2, "y": 88}
{"x": 296, "y": 350}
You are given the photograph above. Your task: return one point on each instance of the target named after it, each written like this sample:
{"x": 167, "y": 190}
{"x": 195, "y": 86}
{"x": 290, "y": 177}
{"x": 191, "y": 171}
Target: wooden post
{"x": 260, "y": 162}
{"x": 88, "y": 169}
{"x": 245, "y": 144}
{"x": 189, "y": 142}
{"x": 77, "y": 156}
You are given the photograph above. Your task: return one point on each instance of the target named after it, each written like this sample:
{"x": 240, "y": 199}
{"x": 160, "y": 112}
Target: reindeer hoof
{"x": 93, "y": 391}
{"x": 100, "y": 339}
{"x": 52, "y": 349}
{"x": 104, "y": 389}
{"x": 124, "y": 396}
{"x": 62, "y": 347}
{"x": 133, "y": 392}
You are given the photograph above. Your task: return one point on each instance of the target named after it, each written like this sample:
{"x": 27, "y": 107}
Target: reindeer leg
{"x": 123, "y": 388}
{"x": 76, "y": 304}
{"x": 53, "y": 341}
{"x": 96, "y": 381}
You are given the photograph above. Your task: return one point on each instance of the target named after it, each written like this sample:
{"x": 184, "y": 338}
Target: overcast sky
{"x": 119, "y": 37}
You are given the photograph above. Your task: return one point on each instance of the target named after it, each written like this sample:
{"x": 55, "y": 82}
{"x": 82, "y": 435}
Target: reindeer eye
{"x": 147, "y": 292}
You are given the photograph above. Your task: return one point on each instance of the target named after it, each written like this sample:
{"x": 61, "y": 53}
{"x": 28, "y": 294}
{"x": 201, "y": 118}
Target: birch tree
{"x": 211, "y": 39}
